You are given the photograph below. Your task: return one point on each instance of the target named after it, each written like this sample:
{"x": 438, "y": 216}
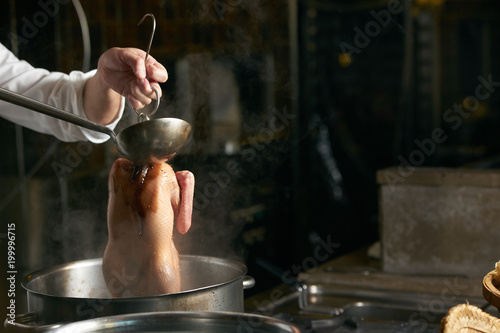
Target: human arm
{"x": 94, "y": 91}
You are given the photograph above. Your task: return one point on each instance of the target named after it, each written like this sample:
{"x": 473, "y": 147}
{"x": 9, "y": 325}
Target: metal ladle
{"x": 151, "y": 141}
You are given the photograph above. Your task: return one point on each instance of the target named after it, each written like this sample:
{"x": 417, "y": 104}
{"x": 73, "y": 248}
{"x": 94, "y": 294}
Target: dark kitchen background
{"x": 294, "y": 105}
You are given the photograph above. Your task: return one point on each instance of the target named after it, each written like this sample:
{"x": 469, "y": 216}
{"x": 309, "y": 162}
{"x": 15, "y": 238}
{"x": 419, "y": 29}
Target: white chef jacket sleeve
{"x": 64, "y": 91}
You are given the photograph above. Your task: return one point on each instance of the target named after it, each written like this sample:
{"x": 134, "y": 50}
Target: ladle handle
{"x": 34, "y": 105}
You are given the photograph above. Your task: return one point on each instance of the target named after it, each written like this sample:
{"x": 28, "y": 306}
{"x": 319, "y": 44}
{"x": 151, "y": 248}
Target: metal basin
{"x": 357, "y": 310}
{"x": 367, "y": 317}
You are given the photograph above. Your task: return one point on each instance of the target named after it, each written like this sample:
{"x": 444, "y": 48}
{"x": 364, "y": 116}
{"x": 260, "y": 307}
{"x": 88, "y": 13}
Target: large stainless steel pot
{"x": 173, "y": 321}
{"x": 77, "y": 291}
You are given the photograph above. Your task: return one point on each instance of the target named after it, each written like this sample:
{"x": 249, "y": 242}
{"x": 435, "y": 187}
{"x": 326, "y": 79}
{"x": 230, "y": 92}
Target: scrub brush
{"x": 468, "y": 318}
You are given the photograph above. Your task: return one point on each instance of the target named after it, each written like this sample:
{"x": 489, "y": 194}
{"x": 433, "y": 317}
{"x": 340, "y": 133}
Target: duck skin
{"x": 144, "y": 204}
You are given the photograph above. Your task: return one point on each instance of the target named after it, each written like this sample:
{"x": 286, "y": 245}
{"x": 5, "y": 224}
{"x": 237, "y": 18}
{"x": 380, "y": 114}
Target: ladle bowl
{"x": 151, "y": 141}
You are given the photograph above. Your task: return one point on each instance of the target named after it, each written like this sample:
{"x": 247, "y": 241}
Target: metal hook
{"x": 143, "y": 116}
{"x": 152, "y": 34}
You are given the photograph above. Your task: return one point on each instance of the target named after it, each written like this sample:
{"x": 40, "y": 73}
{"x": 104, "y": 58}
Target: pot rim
{"x": 92, "y": 262}
{"x": 249, "y": 321}
{"x": 217, "y": 316}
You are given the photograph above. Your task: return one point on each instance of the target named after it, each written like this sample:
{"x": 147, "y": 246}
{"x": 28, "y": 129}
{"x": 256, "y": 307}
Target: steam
{"x": 78, "y": 228}
{"x": 81, "y": 235}
{"x": 226, "y": 171}
{"x": 216, "y": 92}
{"x": 207, "y": 89}
{"x": 228, "y": 95}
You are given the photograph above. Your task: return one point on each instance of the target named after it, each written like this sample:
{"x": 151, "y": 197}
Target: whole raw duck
{"x": 144, "y": 204}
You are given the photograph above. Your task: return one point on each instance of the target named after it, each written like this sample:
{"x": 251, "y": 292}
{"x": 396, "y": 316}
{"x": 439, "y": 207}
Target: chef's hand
{"x": 122, "y": 72}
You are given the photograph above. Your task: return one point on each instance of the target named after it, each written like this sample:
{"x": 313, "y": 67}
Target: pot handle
{"x": 20, "y": 325}
{"x": 248, "y": 282}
